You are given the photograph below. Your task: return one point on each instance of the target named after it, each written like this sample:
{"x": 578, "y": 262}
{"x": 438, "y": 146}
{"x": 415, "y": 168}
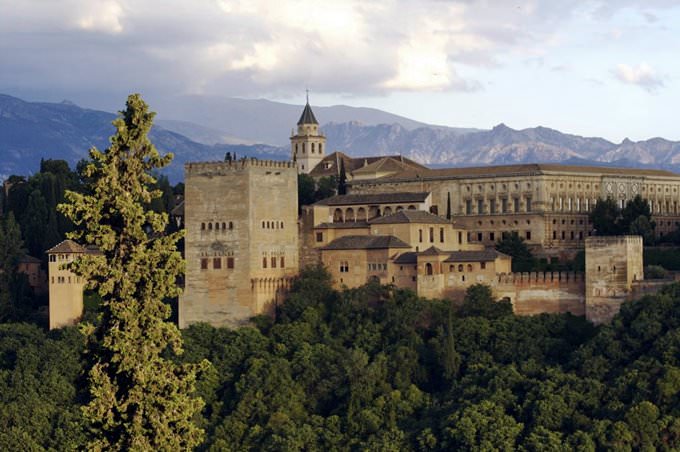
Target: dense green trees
{"x": 635, "y": 218}
{"x": 12, "y": 284}
{"x": 138, "y": 398}
{"x": 514, "y": 246}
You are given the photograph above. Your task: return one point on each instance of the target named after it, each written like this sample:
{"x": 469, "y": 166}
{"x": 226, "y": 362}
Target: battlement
{"x": 540, "y": 278}
{"x": 608, "y": 241}
{"x": 235, "y": 165}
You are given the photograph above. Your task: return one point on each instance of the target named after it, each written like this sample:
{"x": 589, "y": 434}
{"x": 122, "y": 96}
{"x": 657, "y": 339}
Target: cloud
{"x": 264, "y": 48}
{"x": 642, "y": 75}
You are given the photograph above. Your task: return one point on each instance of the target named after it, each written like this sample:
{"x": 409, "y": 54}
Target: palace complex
{"x": 429, "y": 230}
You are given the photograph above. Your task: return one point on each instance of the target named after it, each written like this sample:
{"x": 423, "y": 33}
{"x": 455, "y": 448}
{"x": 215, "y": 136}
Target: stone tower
{"x": 65, "y": 288}
{"x": 612, "y": 265}
{"x": 241, "y": 243}
{"x": 308, "y": 146}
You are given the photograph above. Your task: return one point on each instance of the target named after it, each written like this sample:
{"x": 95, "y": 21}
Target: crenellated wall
{"x": 537, "y": 293}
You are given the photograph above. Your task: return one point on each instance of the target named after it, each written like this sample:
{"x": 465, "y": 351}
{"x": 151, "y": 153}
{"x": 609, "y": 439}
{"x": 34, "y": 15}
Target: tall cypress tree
{"x": 342, "y": 179}
{"x": 139, "y": 399}
{"x": 448, "y": 205}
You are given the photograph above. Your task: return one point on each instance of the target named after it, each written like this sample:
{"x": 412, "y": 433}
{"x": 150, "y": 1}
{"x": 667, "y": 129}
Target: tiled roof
{"x": 410, "y": 257}
{"x": 26, "y": 259}
{"x": 475, "y": 256}
{"x": 67, "y": 246}
{"x": 374, "y": 198}
{"x": 433, "y": 251}
{"x": 307, "y": 116}
{"x": 518, "y": 170}
{"x": 330, "y": 164}
{"x": 346, "y": 225}
{"x": 365, "y": 242}
{"x": 410, "y": 216}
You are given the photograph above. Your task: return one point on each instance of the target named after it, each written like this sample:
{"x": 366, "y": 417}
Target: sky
{"x": 595, "y": 68}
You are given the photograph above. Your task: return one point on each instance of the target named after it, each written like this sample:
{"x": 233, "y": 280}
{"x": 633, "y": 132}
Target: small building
{"x": 32, "y": 268}
{"x": 65, "y": 287}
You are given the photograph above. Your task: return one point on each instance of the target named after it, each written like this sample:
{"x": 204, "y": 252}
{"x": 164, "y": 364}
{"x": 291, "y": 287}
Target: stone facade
{"x": 65, "y": 288}
{"x": 613, "y": 266}
{"x": 241, "y": 243}
{"x": 547, "y": 204}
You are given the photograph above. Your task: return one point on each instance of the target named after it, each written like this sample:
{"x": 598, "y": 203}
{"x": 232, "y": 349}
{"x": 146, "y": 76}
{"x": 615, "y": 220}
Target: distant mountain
{"x": 30, "y": 131}
{"x": 500, "y": 145}
{"x": 264, "y": 121}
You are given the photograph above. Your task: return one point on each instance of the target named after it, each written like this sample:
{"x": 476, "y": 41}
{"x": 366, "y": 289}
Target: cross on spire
{"x": 307, "y": 90}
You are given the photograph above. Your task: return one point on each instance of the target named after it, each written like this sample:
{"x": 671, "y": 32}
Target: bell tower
{"x": 308, "y": 145}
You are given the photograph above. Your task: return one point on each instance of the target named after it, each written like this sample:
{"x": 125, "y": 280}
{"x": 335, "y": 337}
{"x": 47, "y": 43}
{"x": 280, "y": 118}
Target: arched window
{"x": 320, "y": 148}
{"x": 337, "y": 216}
{"x": 349, "y": 214}
{"x": 387, "y": 211}
{"x": 313, "y": 148}
{"x": 361, "y": 214}
{"x": 411, "y": 207}
{"x": 428, "y": 268}
{"x": 224, "y": 226}
{"x": 264, "y": 262}
{"x": 282, "y": 225}
{"x": 202, "y": 226}
{"x": 217, "y": 226}
{"x": 209, "y": 226}
{"x": 231, "y": 225}
{"x": 460, "y": 268}
{"x": 469, "y": 267}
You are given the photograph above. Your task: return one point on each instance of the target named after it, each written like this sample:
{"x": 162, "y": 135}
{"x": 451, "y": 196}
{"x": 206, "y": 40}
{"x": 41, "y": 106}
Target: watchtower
{"x": 308, "y": 145}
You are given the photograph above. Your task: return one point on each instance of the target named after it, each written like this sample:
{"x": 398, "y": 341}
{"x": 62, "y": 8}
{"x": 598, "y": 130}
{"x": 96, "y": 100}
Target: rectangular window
{"x": 580, "y": 235}
{"x": 204, "y": 264}
{"x": 230, "y": 262}
{"x": 420, "y": 235}
{"x": 528, "y": 204}
{"x": 468, "y": 206}
{"x": 482, "y": 265}
{"x": 319, "y": 236}
{"x": 460, "y": 237}
{"x": 504, "y": 205}
{"x": 217, "y": 263}
{"x": 480, "y": 206}
{"x": 264, "y": 262}
{"x": 431, "y": 235}
{"x": 554, "y": 235}
{"x": 572, "y": 235}
{"x": 283, "y": 262}
{"x": 53, "y": 258}
{"x": 563, "y": 235}
{"x": 492, "y": 206}
{"x": 492, "y": 236}
{"x": 479, "y": 236}
{"x": 441, "y": 235}
{"x": 516, "y": 202}
{"x": 528, "y": 235}
{"x": 273, "y": 262}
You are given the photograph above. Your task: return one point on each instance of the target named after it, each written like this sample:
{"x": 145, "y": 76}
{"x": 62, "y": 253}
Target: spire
{"x": 307, "y": 116}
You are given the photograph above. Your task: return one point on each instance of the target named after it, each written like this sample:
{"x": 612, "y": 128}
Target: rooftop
{"x": 375, "y": 198}
{"x": 307, "y": 116}
{"x": 410, "y": 216}
{"x": 475, "y": 256}
{"x": 65, "y": 247}
{"x": 341, "y": 225}
{"x": 366, "y": 242}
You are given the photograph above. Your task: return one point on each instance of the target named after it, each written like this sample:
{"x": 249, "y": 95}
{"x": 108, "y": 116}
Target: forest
{"x": 377, "y": 368}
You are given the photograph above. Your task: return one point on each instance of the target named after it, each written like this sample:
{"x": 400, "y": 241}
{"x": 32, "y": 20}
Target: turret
{"x": 308, "y": 145}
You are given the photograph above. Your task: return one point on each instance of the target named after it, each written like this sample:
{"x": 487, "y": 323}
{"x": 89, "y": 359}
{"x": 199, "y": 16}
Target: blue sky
{"x": 596, "y": 68}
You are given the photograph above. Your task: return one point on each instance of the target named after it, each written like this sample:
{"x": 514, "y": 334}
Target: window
{"x": 469, "y": 267}
{"x": 344, "y": 267}
{"x": 460, "y": 268}
{"x": 283, "y": 262}
{"x": 460, "y": 237}
{"x": 528, "y": 204}
{"x": 479, "y": 236}
{"x": 209, "y": 226}
{"x": 528, "y": 235}
{"x": 504, "y": 205}
{"x": 441, "y": 235}
{"x": 554, "y": 235}
{"x": 224, "y": 226}
{"x": 231, "y": 225}
{"x": 516, "y": 202}
{"x": 319, "y": 236}
{"x": 204, "y": 264}
{"x": 202, "y": 226}
{"x": 53, "y": 258}
{"x": 480, "y": 206}
{"x": 428, "y": 268}
{"x": 468, "y": 206}
{"x": 264, "y": 262}
{"x": 230, "y": 262}
{"x": 482, "y": 265}
{"x": 217, "y": 226}
{"x": 420, "y": 235}
{"x": 492, "y": 206}
{"x": 217, "y": 263}
{"x": 492, "y": 236}
{"x": 563, "y": 235}
{"x": 431, "y": 235}
{"x": 273, "y": 262}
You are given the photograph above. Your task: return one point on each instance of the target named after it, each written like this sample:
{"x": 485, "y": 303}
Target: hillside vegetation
{"x": 377, "y": 368}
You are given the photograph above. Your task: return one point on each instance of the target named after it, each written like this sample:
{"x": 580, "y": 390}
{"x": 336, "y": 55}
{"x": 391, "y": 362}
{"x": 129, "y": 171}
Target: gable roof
{"x": 475, "y": 256}
{"x": 330, "y": 164}
{"x": 366, "y": 242}
{"x": 409, "y": 257}
{"x": 67, "y": 246}
{"x": 410, "y": 216}
{"x": 432, "y": 251}
{"x": 307, "y": 116}
{"x": 374, "y": 198}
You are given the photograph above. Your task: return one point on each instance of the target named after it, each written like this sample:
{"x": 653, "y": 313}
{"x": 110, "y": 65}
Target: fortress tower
{"x": 65, "y": 288}
{"x": 308, "y": 146}
{"x": 241, "y": 243}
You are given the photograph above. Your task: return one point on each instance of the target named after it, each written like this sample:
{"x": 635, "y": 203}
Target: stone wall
{"x": 537, "y": 293}
{"x": 241, "y": 228}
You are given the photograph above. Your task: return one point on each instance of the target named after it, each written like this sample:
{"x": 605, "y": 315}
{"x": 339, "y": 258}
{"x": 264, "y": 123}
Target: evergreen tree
{"x": 11, "y": 249}
{"x": 139, "y": 399}
{"x": 606, "y": 217}
{"x": 448, "y": 205}
{"x": 342, "y": 179}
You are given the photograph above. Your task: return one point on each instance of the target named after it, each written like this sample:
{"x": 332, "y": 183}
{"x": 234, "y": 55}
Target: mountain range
{"x": 198, "y": 128}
